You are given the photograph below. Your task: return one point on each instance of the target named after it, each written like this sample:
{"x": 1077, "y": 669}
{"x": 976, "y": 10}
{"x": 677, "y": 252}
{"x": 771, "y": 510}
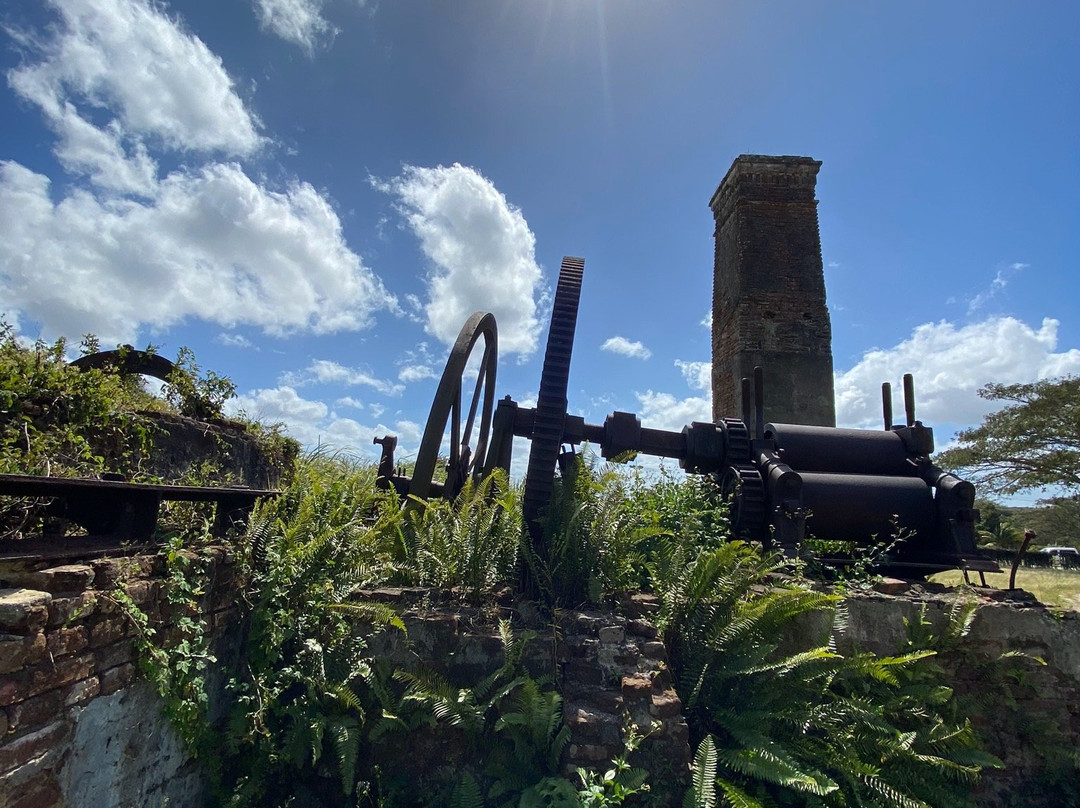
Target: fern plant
{"x": 300, "y": 704}
{"x": 806, "y": 726}
{"x": 596, "y": 541}
{"x": 470, "y": 543}
{"x": 509, "y": 730}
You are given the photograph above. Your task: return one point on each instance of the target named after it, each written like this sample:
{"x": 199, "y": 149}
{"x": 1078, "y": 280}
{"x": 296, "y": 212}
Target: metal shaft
{"x": 909, "y": 398}
{"x": 759, "y": 403}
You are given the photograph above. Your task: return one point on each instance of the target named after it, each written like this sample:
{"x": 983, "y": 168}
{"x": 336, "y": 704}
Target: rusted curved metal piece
{"x": 468, "y": 441}
{"x": 128, "y": 360}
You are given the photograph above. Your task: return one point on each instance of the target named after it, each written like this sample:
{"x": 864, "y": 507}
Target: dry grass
{"x": 1054, "y": 587}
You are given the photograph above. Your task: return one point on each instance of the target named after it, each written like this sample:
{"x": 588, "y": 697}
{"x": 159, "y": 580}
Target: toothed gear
{"x": 743, "y": 487}
{"x": 738, "y": 441}
{"x": 550, "y": 413}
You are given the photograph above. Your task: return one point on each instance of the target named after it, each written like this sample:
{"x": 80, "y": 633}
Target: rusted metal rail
{"x": 113, "y": 512}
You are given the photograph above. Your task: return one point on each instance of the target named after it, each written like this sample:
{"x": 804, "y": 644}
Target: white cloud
{"x": 282, "y": 404}
{"x": 665, "y": 411}
{"x": 1001, "y": 280}
{"x": 950, "y": 364}
{"x": 697, "y": 374}
{"x": 415, "y": 373}
{"x": 211, "y": 244}
{"x": 235, "y": 341}
{"x": 482, "y": 251}
{"x": 415, "y": 308}
{"x": 131, "y": 59}
{"x": 297, "y": 21}
{"x": 132, "y": 249}
{"x": 315, "y": 425}
{"x": 624, "y": 347}
{"x": 100, "y": 154}
{"x": 325, "y": 371}
{"x": 417, "y": 365}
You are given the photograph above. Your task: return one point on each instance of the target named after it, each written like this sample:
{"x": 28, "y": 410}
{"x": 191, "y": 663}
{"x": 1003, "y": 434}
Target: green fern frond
{"x": 736, "y": 797}
{"x": 770, "y": 763}
{"x": 376, "y": 613}
{"x": 702, "y": 793}
{"x": 467, "y": 793}
{"x": 892, "y": 797}
{"x": 345, "y": 736}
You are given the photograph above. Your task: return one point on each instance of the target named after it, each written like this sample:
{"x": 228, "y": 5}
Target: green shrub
{"x": 470, "y": 543}
{"x": 810, "y": 727}
{"x": 299, "y": 715}
{"x": 58, "y": 421}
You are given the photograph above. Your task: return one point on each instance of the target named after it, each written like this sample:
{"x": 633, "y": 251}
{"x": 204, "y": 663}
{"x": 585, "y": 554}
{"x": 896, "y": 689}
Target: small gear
{"x": 738, "y": 441}
{"x": 742, "y": 486}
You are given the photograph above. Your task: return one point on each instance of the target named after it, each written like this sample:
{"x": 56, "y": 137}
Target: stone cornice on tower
{"x": 760, "y": 178}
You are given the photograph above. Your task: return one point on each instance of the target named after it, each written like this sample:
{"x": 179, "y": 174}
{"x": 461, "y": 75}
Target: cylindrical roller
{"x": 860, "y": 508}
{"x": 846, "y": 451}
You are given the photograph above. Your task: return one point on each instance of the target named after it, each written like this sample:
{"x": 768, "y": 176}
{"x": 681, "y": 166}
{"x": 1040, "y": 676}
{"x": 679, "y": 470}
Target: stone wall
{"x": 77, "y": 726}
{"x": 609, "y": 668}
{"x": 183, "y": 446}
{"x": 1017, "y": 670}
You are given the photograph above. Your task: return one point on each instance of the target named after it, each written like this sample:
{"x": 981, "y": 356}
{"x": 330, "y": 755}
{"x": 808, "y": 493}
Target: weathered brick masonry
{"x": 611, "y": 670}
{"x": 769, "y": 291}
{"x": 76, "y": 727}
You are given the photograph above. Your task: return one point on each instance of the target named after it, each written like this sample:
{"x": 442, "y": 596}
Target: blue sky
{"x": 314, "y": 194}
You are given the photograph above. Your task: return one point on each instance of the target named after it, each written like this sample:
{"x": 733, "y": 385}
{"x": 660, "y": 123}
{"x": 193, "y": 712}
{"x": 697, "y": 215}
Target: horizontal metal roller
{"x": 859, "y": 507}
{"x": 851, "y": 451}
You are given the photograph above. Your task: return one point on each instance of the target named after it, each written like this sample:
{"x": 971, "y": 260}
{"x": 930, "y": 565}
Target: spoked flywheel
{"x": 468, "y": 441}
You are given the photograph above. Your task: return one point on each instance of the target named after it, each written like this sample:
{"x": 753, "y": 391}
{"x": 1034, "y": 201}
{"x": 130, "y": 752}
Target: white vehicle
{"x": 1071, "y": 552}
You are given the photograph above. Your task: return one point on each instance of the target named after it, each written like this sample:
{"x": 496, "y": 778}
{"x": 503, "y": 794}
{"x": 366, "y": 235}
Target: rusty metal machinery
{"x": 786, "y": 482}
{"x": 128, "y": 360}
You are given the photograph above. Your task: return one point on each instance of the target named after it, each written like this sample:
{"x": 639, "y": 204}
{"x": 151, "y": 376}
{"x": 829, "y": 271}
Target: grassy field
{"x": 1054, "y": 587}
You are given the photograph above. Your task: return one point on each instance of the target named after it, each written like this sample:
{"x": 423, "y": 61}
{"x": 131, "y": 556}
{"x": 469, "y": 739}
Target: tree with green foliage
{"x": 1031, "y": 443}
{"x": 1056, "y": 521}
{"x": 998, "y": 526}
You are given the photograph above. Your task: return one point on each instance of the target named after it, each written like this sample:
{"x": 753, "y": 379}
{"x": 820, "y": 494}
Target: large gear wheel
{"x": 550, "y": 413}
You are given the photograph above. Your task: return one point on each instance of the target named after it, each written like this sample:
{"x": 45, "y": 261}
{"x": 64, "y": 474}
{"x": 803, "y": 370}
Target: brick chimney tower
{"x": 769, "y": 291}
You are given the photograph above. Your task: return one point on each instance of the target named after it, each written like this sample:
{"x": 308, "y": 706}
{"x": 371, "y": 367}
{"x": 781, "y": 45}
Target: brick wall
{"x": 76, "y": 727}
{"x": 79, "y": 727}
{"x": 769, "y": 291}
